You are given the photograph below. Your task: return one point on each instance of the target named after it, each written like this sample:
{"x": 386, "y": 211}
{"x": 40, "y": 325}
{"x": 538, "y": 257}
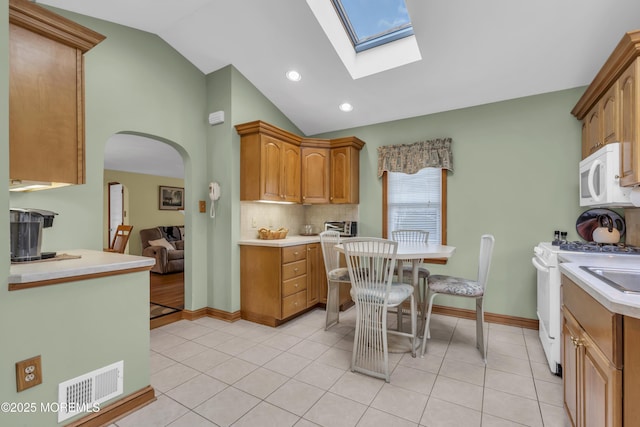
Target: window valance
{"x": 410, "y": 158}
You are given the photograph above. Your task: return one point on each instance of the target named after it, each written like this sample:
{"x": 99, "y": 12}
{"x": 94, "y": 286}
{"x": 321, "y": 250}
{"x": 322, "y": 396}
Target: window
{"x": 372, "y": 23}
{"x": 416, "y": 201}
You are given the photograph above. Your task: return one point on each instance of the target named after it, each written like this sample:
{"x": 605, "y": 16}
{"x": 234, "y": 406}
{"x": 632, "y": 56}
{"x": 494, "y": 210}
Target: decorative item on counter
{"x": 563, "y": 237}
{"x": 606, "y": 232}
{"x": 587, "y": 222}
{"x": 268, "y": 234}
{"x": 307, "y": 230}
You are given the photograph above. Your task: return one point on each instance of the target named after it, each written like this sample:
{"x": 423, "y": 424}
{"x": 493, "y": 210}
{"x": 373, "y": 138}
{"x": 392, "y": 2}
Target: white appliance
{"x": 545, "y": 261}
{"x": 600, "y": 179}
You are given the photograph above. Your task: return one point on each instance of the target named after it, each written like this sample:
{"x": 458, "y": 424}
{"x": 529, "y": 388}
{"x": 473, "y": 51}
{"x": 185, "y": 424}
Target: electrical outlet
{"x": 254, "y": 222}
{"x": 28, "y": 373}
{"x": 202, "y": 205}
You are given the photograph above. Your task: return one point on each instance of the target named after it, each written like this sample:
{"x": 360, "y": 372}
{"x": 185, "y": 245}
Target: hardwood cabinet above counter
{"x": 280, "y": 166}
{"x": 610, "y": 108}
{"x": 46, "y": 95}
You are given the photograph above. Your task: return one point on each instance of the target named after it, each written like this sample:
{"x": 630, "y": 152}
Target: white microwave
{"x": 600, "y": 179}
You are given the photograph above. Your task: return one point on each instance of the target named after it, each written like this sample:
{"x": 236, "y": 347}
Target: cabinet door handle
{"x": 295, "y": 270}
{"x": 296, "y": 253}
{"x": 295, "y": 286}
{"x": 576, "y": 341}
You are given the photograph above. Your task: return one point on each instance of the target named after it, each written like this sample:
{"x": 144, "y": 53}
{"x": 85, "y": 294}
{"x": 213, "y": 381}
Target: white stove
{"x": 546, "y": 262}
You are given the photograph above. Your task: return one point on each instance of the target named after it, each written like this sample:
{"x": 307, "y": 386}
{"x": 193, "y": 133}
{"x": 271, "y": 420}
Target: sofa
{"x": 166, "y": 245}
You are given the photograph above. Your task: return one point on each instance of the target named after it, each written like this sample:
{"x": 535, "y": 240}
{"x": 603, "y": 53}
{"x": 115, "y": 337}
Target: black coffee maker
{"x": 26, "y": 233}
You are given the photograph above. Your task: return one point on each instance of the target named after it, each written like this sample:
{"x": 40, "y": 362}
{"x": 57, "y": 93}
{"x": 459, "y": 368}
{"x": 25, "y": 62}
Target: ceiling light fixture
{"x": 346, "y": 107}
{"x": 294, "y": 76}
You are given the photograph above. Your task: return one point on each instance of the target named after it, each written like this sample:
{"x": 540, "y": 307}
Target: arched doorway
{"x": 145, "y": 165}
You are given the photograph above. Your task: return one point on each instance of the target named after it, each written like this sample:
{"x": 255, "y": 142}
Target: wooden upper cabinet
{"x": 280, "y": 166}
{"x": 279, "y": 170}
{"x": 629, "y": 95}
{"x": 291, "y": 173}
{"x": 602, "y": 123}
{"x": 594, "y": 131}
{"x": 345, "y": 170}
{"x": 344, "y": 176}
{"x": 315, "y": 175}
{"x": 46, "y": 95}
{"x": 610, "y": 115}
{"x": 609, "y": 108}
{"x": 270, "y": 163}
{"x": 271, "y": 167}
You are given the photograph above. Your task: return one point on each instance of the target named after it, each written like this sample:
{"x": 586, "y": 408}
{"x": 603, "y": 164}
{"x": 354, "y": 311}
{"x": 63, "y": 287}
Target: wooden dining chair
{"x": 120, "y": 239}
{"x": 370, "y": 262}
{"x": 413, "y": 236}
{"x": 335, "y": 275}
{"x": 467, "y": 288}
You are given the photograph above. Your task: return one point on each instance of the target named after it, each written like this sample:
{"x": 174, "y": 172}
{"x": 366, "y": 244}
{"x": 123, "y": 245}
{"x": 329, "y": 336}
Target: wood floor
{"x": 167, "y": 289}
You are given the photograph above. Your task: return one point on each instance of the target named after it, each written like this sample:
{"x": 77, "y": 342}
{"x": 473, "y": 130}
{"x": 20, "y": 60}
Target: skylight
{"x": 366, "y": 61}
{"x": 372, "y": 23}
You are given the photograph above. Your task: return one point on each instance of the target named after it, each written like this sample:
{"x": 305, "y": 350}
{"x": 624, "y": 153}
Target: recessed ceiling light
{"x": 346, "y": 107}
{"x": 294, "y": 76}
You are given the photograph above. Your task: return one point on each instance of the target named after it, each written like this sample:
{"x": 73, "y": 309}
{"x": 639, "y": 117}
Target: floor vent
{"x": 86, "y": 392}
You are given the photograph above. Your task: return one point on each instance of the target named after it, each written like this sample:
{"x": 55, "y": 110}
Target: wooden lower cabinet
{"x": 315, "y": 273}
{"x": 279, "y": 283}
{"x": 592, "y": 359}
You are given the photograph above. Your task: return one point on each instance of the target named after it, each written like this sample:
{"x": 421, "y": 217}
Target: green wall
{"x": 142, "y": 211}
{"x": 230, "y": 91}
{"x": 515, "y": 177}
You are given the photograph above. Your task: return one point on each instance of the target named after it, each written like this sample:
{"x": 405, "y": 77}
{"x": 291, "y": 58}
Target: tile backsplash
{"x": 293, "y": 217}
{"x": 632, "y": 219}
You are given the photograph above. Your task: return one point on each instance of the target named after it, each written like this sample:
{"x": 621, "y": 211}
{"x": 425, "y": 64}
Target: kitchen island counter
{"x": 82, "y": 264}
{"x": 614, "y": 300}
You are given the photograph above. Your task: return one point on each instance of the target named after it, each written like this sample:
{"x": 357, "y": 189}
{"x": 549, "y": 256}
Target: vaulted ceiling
{"x": 473, "y": 52}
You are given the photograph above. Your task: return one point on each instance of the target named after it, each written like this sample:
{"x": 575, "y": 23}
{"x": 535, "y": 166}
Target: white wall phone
{"x": 214, "y": 194}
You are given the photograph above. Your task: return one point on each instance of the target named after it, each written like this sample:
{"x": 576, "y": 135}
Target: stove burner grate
{"x": 619, "y": 248}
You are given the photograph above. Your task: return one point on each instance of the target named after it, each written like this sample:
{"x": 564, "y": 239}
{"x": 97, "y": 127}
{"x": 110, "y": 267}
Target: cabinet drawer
{"x": 603, "y": 326}
{"x": 294, "y": 253}
{"x": 294, "y": 269}
{"x": 294, "y": 303}
{"x": 294, "y": 285}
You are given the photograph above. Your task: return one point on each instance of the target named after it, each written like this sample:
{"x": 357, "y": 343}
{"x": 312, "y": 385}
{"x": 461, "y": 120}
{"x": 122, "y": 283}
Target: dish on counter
{"x": 588, "y": 221}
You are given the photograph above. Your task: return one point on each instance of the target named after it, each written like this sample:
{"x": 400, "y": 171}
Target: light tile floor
{"x": 213, "y": 373}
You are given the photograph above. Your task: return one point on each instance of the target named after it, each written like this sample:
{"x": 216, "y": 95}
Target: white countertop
{"x": 611, "y": 298}
{"x": 280, "y": 243}
{"x": 90, "y": 262}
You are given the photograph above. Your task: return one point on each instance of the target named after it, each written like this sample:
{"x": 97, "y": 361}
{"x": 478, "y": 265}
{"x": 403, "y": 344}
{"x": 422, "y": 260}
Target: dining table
{"x": 416, "y": 252}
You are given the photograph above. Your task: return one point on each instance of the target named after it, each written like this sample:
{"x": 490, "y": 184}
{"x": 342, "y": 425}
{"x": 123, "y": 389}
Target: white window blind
{"x": 414, "y": 202}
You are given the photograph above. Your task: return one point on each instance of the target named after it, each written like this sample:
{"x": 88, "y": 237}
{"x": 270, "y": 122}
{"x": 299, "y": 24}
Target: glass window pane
{"x": 374, "y": 17}
{"x": 374, "y": 22}
{"x": 414, "y": 202}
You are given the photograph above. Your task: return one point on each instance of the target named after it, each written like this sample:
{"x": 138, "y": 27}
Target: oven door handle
{"x": 540, "y": 267}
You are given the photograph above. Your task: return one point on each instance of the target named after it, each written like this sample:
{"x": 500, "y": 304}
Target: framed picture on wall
{"x": 170, "y": 198}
